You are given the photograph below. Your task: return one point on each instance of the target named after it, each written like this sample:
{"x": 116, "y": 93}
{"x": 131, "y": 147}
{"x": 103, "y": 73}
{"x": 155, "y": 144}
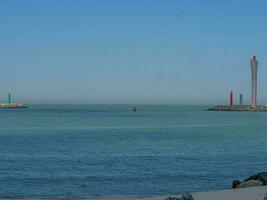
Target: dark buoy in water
{"x": 134, "y": 109}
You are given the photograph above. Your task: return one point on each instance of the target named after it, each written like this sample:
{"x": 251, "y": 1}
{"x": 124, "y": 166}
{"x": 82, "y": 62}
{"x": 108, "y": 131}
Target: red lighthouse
{"x": 231, "y": 97}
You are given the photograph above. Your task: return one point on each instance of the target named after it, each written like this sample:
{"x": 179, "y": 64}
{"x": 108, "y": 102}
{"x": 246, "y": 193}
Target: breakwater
{"x": 13, "y": 105}
{"x": 238, "y": 108}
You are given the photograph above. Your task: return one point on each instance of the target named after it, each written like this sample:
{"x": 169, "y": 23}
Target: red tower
{"x": 231, "y": 98}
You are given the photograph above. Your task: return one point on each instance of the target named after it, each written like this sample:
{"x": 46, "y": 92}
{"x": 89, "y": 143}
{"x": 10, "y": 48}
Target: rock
{"x": 235, "y": 183}
{"x": 250, "y": 183}
{"x": 259, "y": 177}
{"x": 183, "y": 196}
{"x": 187, "y": 196}
{"x": 172, "y": 198}
{"x": 255, "y": 180}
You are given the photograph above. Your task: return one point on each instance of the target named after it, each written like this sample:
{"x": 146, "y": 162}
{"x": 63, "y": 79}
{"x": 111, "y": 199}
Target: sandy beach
{"x": 252, "y": 193}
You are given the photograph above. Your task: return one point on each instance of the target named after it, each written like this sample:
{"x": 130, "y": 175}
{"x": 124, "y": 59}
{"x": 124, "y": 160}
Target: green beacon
{"x": 9, "y": 98}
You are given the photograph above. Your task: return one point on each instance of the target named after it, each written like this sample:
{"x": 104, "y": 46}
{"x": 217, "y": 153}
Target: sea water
{"x": 81, "y": 151}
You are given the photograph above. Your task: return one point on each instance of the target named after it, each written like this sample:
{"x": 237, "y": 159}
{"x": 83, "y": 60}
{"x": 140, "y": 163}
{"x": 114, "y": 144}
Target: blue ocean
{"x": 83, "y": 151}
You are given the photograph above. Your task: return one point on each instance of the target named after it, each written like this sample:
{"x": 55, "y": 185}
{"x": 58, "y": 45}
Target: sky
{"x": 131, "y": 51}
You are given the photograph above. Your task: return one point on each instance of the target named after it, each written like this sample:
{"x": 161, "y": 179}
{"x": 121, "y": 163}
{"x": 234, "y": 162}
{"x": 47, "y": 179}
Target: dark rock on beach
{"x": 235, "y": 183}
{"x": 184, "y": 196}
{"x": 249, "y": 183}
{"x": 259, "y": 177}
{"x": 255, "y": 180}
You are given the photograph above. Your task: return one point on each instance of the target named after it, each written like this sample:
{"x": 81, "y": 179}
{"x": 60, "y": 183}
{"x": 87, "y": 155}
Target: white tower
{"x": 254, "y": 68}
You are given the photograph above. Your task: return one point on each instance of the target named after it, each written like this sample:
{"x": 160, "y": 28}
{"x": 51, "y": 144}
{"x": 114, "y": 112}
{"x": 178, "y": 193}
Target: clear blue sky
{"x": 131, "y": 51}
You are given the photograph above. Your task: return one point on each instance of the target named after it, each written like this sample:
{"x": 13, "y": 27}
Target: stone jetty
{"x": 238, "y": 108}
{"x": 13, "y": 105}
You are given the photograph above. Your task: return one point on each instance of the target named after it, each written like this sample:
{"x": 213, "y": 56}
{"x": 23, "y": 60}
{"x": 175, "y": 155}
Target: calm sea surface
{"x": 84, "y": 151}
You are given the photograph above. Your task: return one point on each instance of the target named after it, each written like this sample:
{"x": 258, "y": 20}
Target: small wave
{"x": 117, "y": 127}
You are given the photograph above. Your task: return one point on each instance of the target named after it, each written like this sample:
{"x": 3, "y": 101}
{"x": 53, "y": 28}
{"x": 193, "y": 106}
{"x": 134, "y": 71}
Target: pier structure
{"x": 241, "y": 107}
{"x": 238, "y": 108}
{"x": 9, "y": 104}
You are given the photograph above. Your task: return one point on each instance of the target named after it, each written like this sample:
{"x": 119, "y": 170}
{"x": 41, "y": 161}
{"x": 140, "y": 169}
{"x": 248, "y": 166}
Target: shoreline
{"x": 250, "y": 193}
